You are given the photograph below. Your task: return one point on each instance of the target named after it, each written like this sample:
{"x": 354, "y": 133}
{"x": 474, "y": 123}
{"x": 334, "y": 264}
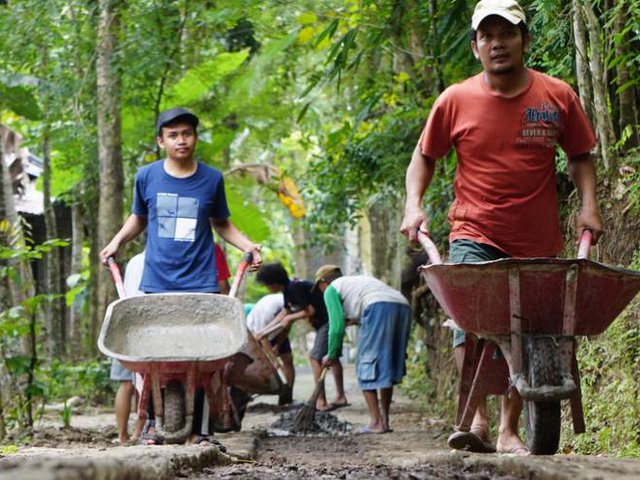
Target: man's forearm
{"x": 230, "y": 233}
{"x": 419, "y": 175}
{"x": 583, "y": 174}
{"x": 133, "y": 226}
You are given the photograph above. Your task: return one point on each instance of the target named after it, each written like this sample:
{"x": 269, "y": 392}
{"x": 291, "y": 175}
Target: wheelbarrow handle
{"x": 585, "y": 245}
{"x": 429, "y": 247}
{"x": 247, "y": 260}
{"x": 117, "y": 276}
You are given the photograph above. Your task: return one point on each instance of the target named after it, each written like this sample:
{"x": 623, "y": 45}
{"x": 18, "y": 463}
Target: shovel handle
{"x": 585, "y": 245}
{"x": 247, "y": 260}
{"x": 429, "y": 247}
{"x": 117, "y": 276}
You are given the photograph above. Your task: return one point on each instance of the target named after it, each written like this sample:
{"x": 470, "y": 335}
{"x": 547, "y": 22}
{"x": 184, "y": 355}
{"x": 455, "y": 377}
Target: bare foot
{"x": 372, "y": 428}
{"x": 481, "y": 432}
{"x": 511, "y": 444}
{"x": 341, "y": 401}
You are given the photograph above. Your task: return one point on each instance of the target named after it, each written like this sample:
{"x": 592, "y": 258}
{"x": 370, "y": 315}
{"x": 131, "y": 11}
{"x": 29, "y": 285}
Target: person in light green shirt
{"x": 384, "y": 317}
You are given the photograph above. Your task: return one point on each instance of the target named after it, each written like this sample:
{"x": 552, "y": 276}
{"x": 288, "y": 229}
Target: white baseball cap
{"x": 508, "y": 9}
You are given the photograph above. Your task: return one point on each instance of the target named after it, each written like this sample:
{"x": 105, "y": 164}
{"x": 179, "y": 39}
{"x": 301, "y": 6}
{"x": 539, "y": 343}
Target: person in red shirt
{"x": 222, "y": 269}
{"x": 504, "y": 125}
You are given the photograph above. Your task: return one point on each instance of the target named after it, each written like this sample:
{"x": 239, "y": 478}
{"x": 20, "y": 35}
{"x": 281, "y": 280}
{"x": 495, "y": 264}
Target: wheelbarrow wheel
{"x": 542, "y": 419}
{"x": 174, "y": 406}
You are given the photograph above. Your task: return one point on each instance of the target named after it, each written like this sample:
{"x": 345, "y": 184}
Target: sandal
{"x": 149, "y": 437}
{"x": 470, "y": 442}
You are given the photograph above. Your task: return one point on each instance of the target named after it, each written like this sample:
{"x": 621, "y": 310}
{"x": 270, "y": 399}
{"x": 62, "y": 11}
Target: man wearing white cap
{"x": 505, "y": 124}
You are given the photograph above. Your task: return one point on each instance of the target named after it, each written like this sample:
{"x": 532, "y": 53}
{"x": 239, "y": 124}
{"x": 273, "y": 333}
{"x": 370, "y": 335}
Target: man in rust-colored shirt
{"x": 504, "y": 124}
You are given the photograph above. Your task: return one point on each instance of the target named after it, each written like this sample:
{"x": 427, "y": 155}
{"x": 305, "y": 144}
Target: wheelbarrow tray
{"x": 477, "y": 297}
{"x": 173, "y": 327}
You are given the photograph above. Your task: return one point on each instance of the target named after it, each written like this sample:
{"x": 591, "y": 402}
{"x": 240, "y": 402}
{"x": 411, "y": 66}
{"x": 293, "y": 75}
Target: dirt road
{"x": 416, "y": 449}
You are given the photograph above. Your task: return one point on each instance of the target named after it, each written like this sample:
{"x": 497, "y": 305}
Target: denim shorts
{"x": 468, "y": 251}
{"x": 382, "y": 345}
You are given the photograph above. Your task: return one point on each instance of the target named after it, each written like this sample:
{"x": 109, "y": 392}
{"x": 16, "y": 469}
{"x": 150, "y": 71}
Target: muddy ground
{"x": 265, "y": 449}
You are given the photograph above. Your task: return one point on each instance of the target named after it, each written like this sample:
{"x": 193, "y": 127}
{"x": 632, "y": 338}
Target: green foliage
{"x": 416, "y": 383}
{"x": 246, "y": 216}
{"x": 199, "y": 81}
{"x": 19, "y": 326}
{"x": 8, "y": 450}
{"x": 65, "y": 415}
{"x": 89, "y": 380}
{"x": 16, "y": 95}
{"x": 610, "y": 390}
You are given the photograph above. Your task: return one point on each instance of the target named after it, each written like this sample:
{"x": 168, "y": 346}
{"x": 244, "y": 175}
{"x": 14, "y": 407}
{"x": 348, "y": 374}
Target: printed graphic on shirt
{"x": 539, "y": 127}
{"x": 177, "y": 217}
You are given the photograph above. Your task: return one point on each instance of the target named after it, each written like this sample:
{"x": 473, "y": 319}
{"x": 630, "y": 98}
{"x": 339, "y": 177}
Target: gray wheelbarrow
{"x": 179, "y": 342}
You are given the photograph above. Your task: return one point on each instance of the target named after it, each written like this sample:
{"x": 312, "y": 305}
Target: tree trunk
{"x": 602, "y": 119}
{"x": 53, "y": 311}
{"x": 387, "y": 246}
{"x": 583, "y": 75}
{"x": 74, "y": 328}
{"x": 627, "y": 96}
{"x": 109, "y": 148}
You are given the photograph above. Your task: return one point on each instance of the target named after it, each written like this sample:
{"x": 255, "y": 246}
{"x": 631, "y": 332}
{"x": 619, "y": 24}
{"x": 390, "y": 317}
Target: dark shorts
{"x": 321, "y": 343}
{"x": 468, "y": 251}
{"x": 283, "y": 347}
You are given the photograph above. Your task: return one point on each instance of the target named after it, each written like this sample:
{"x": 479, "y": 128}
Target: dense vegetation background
{"x": 325, "y": 97}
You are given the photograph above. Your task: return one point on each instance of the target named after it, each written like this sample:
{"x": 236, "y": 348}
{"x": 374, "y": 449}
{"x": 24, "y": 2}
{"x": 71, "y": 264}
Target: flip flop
{"x": 364, "y": 430}
{"x": 470, "y": 442}
{"x": 330, "y": 407}
{"x": 517, "y": 450}
{"x": 150, "y": 438}
{"x": 336, "y": 406}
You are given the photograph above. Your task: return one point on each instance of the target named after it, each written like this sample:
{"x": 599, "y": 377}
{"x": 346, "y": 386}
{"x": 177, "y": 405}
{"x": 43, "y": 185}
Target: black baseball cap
{"x": 173, "y": 114}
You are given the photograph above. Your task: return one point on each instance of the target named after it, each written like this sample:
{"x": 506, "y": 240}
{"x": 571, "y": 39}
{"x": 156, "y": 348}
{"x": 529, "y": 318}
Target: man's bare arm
{"x": 133, "y": 226}
{"x": 418, "y": 178}
{"x": 227, "y": 230}
{"x": 583, "y": 173}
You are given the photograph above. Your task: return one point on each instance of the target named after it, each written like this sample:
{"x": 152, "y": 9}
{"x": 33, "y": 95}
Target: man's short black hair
{"x": 524, "y": 31}
{"x": 272, "y": 274}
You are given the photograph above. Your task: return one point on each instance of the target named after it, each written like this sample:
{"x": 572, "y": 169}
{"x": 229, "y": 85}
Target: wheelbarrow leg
{"x": 158, "y": 407}
{"x": 143, "y": 400}
{"x": 577, "y": 413}
{"x": 472, "y": 349}
{"x": 491, "y": 377}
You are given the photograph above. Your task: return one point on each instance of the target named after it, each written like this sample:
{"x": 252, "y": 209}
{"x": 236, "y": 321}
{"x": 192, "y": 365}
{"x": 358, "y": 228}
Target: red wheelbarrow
{"x": 532, "y": 309}
{"x": 181, "y": 341}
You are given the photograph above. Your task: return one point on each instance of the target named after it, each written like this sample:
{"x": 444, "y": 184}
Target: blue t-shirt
{"x": 180, "y": 252}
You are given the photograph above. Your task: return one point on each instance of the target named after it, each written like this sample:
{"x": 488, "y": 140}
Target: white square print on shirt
{"x": 185, "y": 229}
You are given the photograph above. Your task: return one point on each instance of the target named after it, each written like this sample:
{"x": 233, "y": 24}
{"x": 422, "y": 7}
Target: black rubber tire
{"x": 174, "y": 406}
{"x": 542, "y": 419}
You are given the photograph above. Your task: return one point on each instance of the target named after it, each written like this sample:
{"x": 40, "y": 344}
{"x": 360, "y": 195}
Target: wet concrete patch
{"x": 324, "y": 423}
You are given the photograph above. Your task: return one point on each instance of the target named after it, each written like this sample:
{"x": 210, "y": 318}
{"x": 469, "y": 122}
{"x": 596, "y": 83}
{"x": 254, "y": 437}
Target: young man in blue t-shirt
{"x": 178, "y": 200}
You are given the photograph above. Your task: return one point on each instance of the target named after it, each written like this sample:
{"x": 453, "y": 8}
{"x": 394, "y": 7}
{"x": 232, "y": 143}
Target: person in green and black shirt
{"x": 301, "y": 302}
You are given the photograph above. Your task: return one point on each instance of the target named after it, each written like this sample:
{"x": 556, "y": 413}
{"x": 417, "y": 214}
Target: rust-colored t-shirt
{"x": 505, "y": 188}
